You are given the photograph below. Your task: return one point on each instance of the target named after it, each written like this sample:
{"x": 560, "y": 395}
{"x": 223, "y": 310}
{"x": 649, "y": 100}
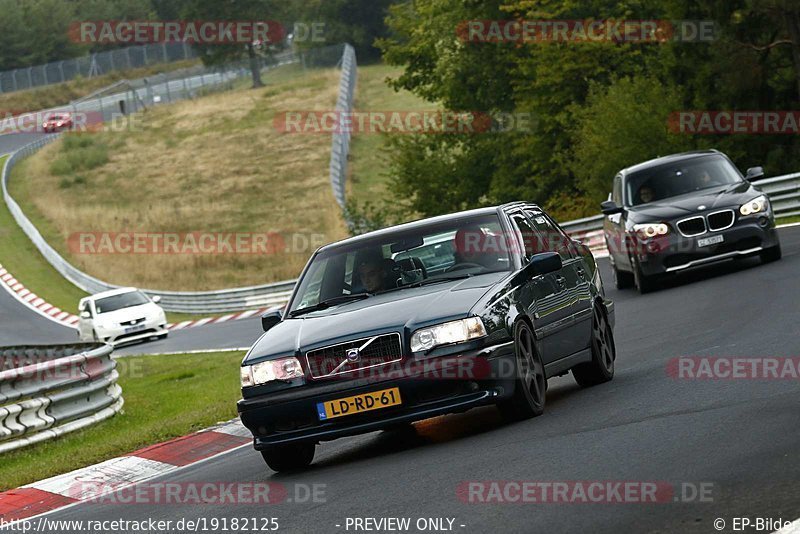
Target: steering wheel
{"x": 462, "y": 266}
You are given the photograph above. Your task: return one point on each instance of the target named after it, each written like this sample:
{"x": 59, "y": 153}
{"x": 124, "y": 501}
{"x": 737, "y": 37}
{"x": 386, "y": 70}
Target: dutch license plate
{"x": 132, "y": 329}
{"x": 365, "y": 402}
{"x": 706, "y": 241}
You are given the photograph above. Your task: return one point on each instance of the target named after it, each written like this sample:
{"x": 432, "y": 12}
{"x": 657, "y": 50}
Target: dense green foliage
{"x": 599, "y": 106}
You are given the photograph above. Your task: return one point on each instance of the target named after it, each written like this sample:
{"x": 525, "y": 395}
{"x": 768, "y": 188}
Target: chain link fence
{"x": 135, "y": 95}
{"x": 132, "y": 57}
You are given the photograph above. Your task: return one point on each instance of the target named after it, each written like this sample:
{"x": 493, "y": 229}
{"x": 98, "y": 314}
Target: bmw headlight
{"x": 264, "y": 372}
{"x": 757, "y": 205}
{"x": 447, "y": 333}
{"x": 651, "y": 230}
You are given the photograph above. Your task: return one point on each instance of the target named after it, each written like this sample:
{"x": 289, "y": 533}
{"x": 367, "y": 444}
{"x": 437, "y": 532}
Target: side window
{"x": 555, "y": 240}
{"x": 616, "y": 193}
{"x": 530, "y": 239}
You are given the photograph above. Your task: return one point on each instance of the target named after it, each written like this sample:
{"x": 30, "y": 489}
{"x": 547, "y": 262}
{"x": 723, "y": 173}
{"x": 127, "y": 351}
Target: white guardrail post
{"x": 50, "y": 390}
{"x": 340, "y": 144}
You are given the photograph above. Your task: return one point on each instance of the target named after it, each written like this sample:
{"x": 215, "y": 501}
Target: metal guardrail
{"x": 783, "y": 192}
{"x": 50, "y": 390}
{"x": 201, "y": 302}
{"x": 340, "y": 144}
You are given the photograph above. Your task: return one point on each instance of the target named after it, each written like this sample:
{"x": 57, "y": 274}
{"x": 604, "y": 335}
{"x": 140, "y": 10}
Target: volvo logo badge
{"x": 701, "y": 207}
{"x": 353, "y": 355}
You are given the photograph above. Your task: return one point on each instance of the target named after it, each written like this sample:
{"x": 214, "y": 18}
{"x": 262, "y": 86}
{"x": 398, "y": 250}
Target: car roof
{"x": 111, "y": 293}
{"x": 424, "y": 222}
{"x": 672, "y": 158}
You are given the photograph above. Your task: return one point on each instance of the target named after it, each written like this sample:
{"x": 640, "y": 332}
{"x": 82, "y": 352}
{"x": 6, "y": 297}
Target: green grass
{"x": 788, "y": 220}
{"x": 22, "y": 259}
{"x": 165, "y": 397}
{"x": 369, "y": 157}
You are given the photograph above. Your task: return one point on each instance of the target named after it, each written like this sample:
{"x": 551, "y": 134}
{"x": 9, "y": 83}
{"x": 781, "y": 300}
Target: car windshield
{"x": 680, "y": 178}
{"x": 118, "y": 302}
{"x": 438, "y": 251}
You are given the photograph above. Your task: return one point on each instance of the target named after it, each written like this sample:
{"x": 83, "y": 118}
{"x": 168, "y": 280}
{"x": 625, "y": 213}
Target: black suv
{"x": 681, "y": 211}
{"x": 426, "y": 318}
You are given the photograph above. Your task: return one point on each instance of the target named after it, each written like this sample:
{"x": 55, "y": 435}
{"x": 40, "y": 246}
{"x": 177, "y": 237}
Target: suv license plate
{"x": 706, "y": 241}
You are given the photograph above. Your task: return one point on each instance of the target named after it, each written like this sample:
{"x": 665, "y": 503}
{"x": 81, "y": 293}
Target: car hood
{"x": 401, "y": 311}
{"x": 128, "y": 314}
{"x": 725, "y": 196}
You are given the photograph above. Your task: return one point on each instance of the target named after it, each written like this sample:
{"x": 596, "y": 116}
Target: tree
{"x": 358, "y": 22}
{"x": 620, "y": 125}
{"x": 230, "y": 10}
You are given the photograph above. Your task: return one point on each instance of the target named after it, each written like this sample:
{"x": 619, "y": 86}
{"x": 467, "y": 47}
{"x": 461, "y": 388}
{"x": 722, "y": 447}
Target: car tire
{"x": 622, "y": 279}
{"x": 530, "y": 385}
{"x": 644, "y": 283}
{"x": 288, "y": 458}
{"x": 604, "y": 353}
{"x": 163, "y": 336}
{"x": 771, "y": 254}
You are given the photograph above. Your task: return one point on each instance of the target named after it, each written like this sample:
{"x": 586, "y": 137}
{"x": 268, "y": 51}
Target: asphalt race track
{"x": 10, "y": 143}
{"x": 738, "y": 437}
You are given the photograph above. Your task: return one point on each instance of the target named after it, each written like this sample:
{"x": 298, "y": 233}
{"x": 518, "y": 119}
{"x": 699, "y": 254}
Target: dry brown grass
{"x": 215, "y": 164}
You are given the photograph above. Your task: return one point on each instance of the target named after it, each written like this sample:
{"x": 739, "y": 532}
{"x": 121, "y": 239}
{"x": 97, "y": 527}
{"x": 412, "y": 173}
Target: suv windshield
{"x": 680, "y": 178}
{"x": 117, "y": 302}
{"x": 452, "y": 249}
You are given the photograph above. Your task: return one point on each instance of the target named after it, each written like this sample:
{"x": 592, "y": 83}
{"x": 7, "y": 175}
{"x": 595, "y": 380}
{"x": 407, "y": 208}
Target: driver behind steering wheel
{"x": 475, "y": 247}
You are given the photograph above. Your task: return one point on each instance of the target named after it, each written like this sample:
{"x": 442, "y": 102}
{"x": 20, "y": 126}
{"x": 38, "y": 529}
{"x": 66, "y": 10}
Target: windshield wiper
{"x": 341, "y": 299}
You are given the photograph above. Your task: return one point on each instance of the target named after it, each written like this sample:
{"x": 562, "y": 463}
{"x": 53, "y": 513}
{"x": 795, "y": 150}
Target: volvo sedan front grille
{"x": 720, "y": 220}
{"x": 692, "y": 226}
{"x": 354, "y": 355}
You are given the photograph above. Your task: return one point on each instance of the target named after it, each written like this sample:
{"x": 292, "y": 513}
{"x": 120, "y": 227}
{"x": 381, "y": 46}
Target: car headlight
{"x": 446, "y": 333}
{"x": 756, "y": 205}
{"x": 650, "y": 230}
{"x": 261, "y": 373}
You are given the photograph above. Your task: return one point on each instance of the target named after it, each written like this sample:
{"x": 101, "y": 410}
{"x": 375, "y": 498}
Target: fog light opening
{"x": 763, "y": 221}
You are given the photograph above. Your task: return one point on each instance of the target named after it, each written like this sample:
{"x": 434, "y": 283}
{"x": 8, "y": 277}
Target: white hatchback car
{"x": 121, "y": 316}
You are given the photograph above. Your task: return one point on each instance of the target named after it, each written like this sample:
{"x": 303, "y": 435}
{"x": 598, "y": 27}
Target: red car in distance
{"x": 57, "y": 122}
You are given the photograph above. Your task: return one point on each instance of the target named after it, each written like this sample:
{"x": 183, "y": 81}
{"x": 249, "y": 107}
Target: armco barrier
{"x": 50, "y": 390}
{"x": 340, "y": 144}
{"x": 783, "y": 193}
{"x": 202, "y": 302}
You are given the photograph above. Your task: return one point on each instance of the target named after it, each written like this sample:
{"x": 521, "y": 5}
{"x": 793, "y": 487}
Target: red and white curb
{"x": 47, "y": 310}
{"x": 65, "y": 490}
{"x": 35, "y": 302}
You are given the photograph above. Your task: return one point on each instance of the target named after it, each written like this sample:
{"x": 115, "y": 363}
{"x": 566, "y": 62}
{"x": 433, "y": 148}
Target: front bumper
{"x": 118, "y": 336}
{"x": 676, "y": 253}
{"x": 290, "y": 416}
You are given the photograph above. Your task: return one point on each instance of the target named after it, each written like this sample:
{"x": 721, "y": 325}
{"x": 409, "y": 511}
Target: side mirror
{"x": 156, "y": 299}
{"x": 86, "y": 315}
{"x": 754, "y": 173}
{"x": 546, "y": 262}
{"x": 609, "y": 207}
{"x": 271, "y": 318}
